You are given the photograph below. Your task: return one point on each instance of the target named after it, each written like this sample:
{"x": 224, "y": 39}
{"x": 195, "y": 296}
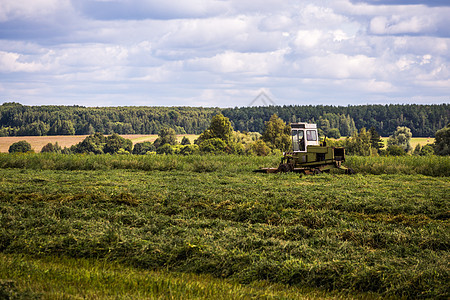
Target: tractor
{"x": 308, "y": 155}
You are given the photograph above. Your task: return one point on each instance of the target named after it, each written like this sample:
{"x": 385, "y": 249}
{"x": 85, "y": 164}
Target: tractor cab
{"x": 303, "y": 135}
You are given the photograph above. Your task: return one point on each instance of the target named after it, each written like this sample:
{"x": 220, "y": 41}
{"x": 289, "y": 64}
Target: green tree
{"x": 143, "y": 148}
{"x": 214, "y": 145}
{"x": 165, "y": 149}
{"x": 220, "y": 127}
{"x": 395, "y": 150}
{"x": 334, "y": 133}
{"x": 375, "y": 139}
{"x": 91, "y": 144}
{"x": 166, "y": 136}
{"x": 359, "y": 143}
{"x": 189, "y": 149}
{"x": 401, "y": 137}
{"x": 20, "y": 147}
{"x": 442, "y": 141}
{"x": 277, "y": 134}
{"x": 55, "y": 148}
{"x": 259, "y": 148}
{"x": 427, "y": 150}
{"x": 185, "y": 141}
{"x": 115, "y": 143}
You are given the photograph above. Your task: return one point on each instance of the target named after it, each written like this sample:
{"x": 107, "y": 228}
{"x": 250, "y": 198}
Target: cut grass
{"x": 386, "y": 234}
{"x": 62, "y": 277}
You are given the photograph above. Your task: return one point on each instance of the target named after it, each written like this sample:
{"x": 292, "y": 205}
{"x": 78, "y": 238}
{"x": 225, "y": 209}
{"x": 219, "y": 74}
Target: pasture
{"x": 206, "y": 226}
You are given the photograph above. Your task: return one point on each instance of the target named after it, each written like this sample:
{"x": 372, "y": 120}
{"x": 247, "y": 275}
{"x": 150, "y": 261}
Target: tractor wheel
{"x": 350, "y": 171}
{"x": 284, "y": 168}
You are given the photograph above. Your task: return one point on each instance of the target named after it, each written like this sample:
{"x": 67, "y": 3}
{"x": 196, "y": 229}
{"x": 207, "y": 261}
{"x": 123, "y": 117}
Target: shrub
{"x": 189, "y": 149}
{"x": 214, "y": 145}
{"x": 20, "y": 146}
{"x": 51, "y": 148}
{"x": 395, "y": 150}
{"x": 143, "y": 148}
{"x": 115, "y": 143}
{"x": 259, "y": 148}
{"x": 165, "y": 149}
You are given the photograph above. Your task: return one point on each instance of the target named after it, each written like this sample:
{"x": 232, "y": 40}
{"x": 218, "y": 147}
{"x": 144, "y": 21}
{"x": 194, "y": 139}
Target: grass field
{"x": 37, "y": 142}
{"x": 243, "y": 234}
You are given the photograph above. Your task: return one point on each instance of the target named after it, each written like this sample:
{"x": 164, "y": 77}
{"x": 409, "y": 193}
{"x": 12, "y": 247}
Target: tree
{"x": 395, "y": 150}
{"x": 359, "y": 143}
{"x": 277, "y": 134}
{"x": 51, "y": 148}
{"x": 20, "y": 147}
{"x": 143, "y": 148}
{"x": 334, "y": 133}
{"x": 214, "y": 145}
{"x": 401, "y": 137}
{"x": 165, "y": 149}
{"x": 427, "y": 150}
{"x": 91, "y": 144}
{"x": 220, "y": 127}
{"x": 375, "y": 139}
{"x": 442, "y": 141}
{"x": 259, "y": 148}
{"x": 185, "y": 141}
{"x": 166, "y": 136}
{"x": 115, "y": 143}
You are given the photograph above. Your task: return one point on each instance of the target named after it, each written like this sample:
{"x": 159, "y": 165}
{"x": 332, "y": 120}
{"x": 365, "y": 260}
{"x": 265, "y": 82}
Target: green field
{"x": 207, "y": 227}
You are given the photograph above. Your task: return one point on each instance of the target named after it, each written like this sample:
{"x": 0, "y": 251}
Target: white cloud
{"x": 14, "y": 62}
{"x": 219, "y": 51}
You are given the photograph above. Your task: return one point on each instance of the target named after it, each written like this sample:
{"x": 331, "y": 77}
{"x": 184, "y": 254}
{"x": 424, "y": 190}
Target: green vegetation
{"x": 387, "y": 234}
{"x": 63, "y": 278}
{"x": 20, "y": 147}
{"x": 20, "y": 120}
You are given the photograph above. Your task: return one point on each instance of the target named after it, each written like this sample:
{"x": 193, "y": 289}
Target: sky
{"x": 224, "y": 53}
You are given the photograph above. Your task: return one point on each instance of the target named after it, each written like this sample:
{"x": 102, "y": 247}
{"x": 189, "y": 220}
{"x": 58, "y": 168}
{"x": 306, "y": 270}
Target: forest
{"x": 21, "y": 120}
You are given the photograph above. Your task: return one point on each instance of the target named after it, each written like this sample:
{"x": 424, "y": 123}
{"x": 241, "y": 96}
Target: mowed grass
{"x": 68, "y": 278}
{"x": 362, "y": 235}
{"x": 37, "y": 142}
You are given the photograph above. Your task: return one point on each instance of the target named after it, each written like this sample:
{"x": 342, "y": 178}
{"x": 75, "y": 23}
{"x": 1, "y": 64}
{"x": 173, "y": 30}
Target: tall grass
{"x": 196, "y": 163}
{"x": 425, "y": 165}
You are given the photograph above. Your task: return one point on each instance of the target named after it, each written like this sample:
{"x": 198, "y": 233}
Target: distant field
{"x": 37, "y": 142}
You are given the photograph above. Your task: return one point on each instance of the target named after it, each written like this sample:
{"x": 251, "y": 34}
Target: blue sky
{"x": 223, "y": 53}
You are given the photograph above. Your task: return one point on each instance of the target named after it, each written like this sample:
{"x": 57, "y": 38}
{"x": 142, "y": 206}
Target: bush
{"x": 334, "y": 133}
{"x": 143, "y": 148}
{"x": 51, "y": 148}
{"x": 165, "y": 149}
{"x": 20, "y": 147}
{"x": 395, "y": 150}
{"x": 259, "y": 148}
{"x": 116, "y": 143}
{"x": 214, "y": 145}
{"x": 442, "y": 141}
{"x": 189, "y": 149}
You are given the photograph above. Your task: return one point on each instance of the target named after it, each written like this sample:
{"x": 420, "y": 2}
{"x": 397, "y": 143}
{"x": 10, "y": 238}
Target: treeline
{"x": 334, "y": 121}
{"x": 423, "y": 120}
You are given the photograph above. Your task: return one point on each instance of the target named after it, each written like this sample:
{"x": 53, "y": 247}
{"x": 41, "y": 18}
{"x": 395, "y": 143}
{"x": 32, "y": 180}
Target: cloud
{"x": 405, "y": 2}
{"x": 14, "y": 62}
{"x": 149, "y": 9}
{"x": 221, "y": 52}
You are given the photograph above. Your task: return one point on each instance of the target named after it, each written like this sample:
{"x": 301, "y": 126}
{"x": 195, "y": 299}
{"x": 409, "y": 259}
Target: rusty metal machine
{"x": 308, "y": 155}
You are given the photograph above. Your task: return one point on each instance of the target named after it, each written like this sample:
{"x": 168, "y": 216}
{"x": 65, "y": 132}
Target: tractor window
{"x": 298, "y": 140}
{"x": 311, "y": 135}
